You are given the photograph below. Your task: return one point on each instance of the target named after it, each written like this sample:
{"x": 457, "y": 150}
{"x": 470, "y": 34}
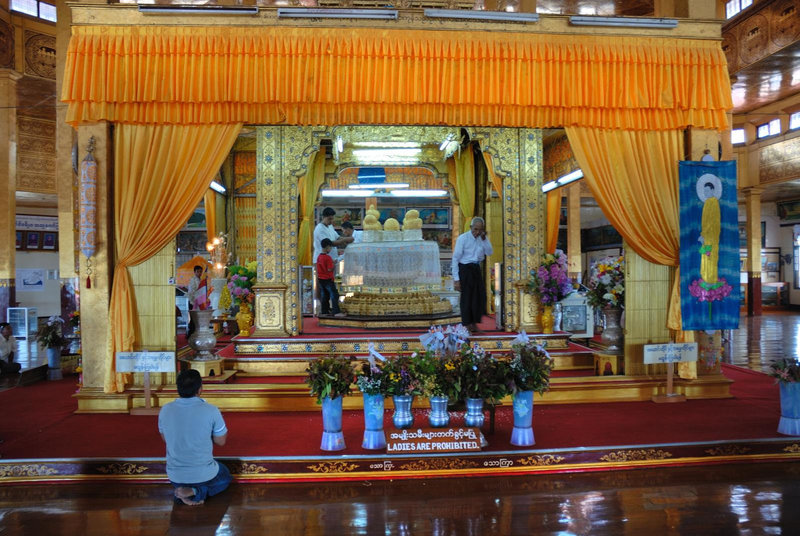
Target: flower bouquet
{"x": 529, "y": 368}
{"x": 371, "y": 379}
{"x": 438, "y": 376}
{"x": 400, "y": 377}
{"x": 785, "y": 370}
{"x": 482, "y": 376}
{"x": 607, "y": 283}
{"x": 75, "y": 320}
{"x": 329, "y": 377}
{"x": 51, "y": 334}
{"x": 550, "y": 282}
{"x": 240, "y": 282}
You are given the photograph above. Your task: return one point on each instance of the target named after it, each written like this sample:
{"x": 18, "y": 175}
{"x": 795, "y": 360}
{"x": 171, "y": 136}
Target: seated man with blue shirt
{"x": 190, "y": 427}
{"x": 470, "y": 250}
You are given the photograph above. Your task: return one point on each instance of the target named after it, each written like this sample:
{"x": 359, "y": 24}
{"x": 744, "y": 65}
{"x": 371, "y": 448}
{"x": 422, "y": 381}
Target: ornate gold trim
{"x": 333, "y": 467}
{"x": 377, "y": 324}
{"x": 547, "y": 459}
{"x": 122, "y": 468}
{"x": 636, "y": 455}
{"x": 28, "y": 470}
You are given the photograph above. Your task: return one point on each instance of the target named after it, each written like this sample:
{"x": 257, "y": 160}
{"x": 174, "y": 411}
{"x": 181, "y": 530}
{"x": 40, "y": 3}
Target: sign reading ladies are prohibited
{"x": 433, "y": 440}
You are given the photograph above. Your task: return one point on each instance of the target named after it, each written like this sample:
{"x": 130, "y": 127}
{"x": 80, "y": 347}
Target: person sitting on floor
{"x": 8, "y": 345}
{"x": 191, "y": 427}
{"x": 328, "y": 294}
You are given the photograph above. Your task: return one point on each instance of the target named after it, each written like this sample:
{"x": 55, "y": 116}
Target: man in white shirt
{"x": 324, "y": 229}
{"x": 348, "y": 230}
{"x": 470, "y": 250}
{"x": 8, "y": 345}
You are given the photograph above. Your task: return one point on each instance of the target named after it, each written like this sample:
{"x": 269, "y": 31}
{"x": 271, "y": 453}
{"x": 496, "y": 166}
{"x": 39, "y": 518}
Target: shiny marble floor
{"x": 760, "y": 340}
{"x": 724, "y": 500}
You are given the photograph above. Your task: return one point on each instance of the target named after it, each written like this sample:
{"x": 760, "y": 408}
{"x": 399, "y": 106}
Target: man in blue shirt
{"x": 190, "y": 427}
{"x": 470, "y": 250}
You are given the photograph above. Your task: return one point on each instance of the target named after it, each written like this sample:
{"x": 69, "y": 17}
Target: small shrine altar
{"x": 392, "y": 283}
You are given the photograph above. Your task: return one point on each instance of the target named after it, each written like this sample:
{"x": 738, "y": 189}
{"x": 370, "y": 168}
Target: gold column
{"x": 8, "y": 174}
{"x": 517, "y": 157}
{"x": 574, "y": 259}
{"x": 753, "y": 212}
{"x": 66, "y": 186}
{"x": 95, "y": 300}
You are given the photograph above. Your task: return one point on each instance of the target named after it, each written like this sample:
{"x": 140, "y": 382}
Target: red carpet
{"x": 40, "y": 423}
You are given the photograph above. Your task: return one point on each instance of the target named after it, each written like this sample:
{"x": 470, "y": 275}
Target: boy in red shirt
{"x": 328, "y": 294}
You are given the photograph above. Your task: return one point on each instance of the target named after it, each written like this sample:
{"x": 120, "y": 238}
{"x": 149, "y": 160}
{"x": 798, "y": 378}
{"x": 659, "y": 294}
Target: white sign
{"x": 30, "y": 279}
{"x": 145, "y": 361}
{"x": 670, "y": 353}
{"x": 25, "y": 222}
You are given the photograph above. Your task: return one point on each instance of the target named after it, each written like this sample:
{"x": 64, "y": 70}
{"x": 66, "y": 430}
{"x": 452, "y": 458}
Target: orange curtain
{"x": 160, "y": 175}
{"x": 634, "y": 178}
{"x": 553, "y": 217}
{"x": 210, "y": 204}
{"x": 329, "y": 76}
{"x": 465, "y": 185}
{"x": 308, "y": 186}
{"x": 497, "y": 181}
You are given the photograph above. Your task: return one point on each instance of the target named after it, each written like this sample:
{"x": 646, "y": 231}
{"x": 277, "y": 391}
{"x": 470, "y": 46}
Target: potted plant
{"x": 440, "y": 382}
{"x": 607, "y": 292}
{"x": 370, "y": 380}
{"x": 482, "y": 378}
{"x": 51, "y": 336}
{"x": 551, "y": 284}
{"x": 329, "y": 379}
{"x": 402, "y": 384}
{"x": 528, "y": 372}
{"x": 787, "y": 374}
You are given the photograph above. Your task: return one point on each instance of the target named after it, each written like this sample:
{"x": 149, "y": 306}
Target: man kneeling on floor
{"x": 190, "y": 426}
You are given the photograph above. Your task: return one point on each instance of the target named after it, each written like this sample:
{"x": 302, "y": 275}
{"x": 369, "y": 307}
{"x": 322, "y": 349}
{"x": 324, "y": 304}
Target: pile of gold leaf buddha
{"x": 407, "y": 304}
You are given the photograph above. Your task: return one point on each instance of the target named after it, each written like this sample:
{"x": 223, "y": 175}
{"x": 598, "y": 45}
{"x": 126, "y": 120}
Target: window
{"x": 773, "y": 128}
{"x": 34, "y": 8}
{"x": 796, "y": 261}
{"x": 794, "y": 121}
{"x": 734, "y": 7}
{"x": 737, "y": 136}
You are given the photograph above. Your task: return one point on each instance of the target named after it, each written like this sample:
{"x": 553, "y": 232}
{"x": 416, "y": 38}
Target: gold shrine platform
{"x": 267, "y": 374}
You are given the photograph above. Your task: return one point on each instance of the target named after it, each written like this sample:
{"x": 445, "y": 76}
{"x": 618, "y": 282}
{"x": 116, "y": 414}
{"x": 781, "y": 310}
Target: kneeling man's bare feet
{"x": 185, "y": 494}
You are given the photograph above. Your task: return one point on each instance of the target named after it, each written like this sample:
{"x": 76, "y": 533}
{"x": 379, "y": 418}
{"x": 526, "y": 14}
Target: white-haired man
{"x": 469, "y": 252}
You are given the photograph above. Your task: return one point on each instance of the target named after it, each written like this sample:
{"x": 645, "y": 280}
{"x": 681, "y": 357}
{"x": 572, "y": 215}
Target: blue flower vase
{"x": 790, "y": 409}
{"x": 522, "y": 434}
{"x": 332, "y": 436}
{"x": 374, "y": 437}
{"x": 53, "y": 363}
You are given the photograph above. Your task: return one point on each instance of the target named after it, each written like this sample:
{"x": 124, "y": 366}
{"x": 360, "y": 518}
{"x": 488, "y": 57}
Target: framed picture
{"x": 770, "y": 277}
{"x": 33, "y": 239}
{"x": 392, "y": 212}
{"x": 352, "y": 214}
{"x": 20, "y": 244}
{"x": 435, "y": 218}
{"x": 789, "y": 210}
{"x": 49, "y": 240}
{"x": 443, "y": 237}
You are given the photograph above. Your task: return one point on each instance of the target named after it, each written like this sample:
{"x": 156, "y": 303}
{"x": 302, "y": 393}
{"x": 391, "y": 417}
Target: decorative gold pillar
{"x": 753, "y": 212}
{"x": 66, "y": 142}
{"x": 8, "y": 178}
{"x": 282, "y": 157}
{"x": 574, "y": 258}
{"x": 95, "y": 300}
{"x": 517, "y": 157}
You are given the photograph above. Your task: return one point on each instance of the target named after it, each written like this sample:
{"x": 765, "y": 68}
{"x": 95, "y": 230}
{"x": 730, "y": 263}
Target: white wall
{"x": 48, "y": 301}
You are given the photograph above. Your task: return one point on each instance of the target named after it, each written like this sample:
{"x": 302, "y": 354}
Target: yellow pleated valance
{"x": 205, "y": 75}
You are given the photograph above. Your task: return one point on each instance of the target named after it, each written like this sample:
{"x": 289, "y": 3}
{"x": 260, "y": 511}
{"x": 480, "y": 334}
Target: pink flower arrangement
{"x": 240, "y": 282}
{"x": 550, "y": 281}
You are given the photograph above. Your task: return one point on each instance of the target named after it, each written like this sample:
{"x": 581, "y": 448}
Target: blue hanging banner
{"x": 710, "y": 291}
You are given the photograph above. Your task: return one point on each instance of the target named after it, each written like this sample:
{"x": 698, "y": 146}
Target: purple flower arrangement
{"x": 550, "y": 282}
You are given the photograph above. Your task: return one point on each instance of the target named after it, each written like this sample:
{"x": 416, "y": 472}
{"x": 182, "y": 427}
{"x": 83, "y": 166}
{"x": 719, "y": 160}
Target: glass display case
{"x": 23, "y": 322}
